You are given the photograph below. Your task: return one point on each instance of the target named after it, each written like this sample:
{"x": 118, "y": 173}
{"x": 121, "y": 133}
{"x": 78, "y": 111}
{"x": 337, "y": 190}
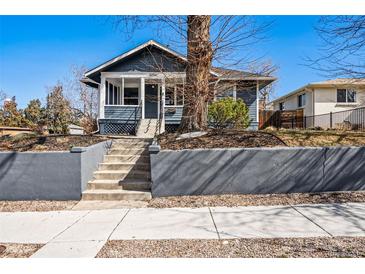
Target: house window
{"x": 228, "y": 92}
{"x": 281, "y": 106}
{"x": 346, "y": 96}
{"x": 170, "y": 96}
{"x": 130, "y": 96}
{"x": 174, "y": 95}
{"x": 113, "y": 94}
{"x": 301, "y": 100}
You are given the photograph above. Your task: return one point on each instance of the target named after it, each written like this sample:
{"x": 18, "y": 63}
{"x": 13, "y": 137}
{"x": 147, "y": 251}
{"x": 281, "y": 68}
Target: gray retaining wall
{"x": 59, "y": 175}
{"x": 257, "y": 170}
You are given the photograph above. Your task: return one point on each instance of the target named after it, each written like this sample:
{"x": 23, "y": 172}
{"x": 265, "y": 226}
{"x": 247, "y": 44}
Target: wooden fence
{"x": 281, "y": 119}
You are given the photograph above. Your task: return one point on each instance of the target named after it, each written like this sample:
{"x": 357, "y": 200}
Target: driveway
{"x": 83, "y": 233}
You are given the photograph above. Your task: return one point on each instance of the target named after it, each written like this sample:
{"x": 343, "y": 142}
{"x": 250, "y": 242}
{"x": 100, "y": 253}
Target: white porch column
{"x": 122, "y": 90}
{"x": 102, "y": 97}
{"x": 142, "y": 94}
{"x": 162, "y": 113}
{"x": 257, "y": 100}
{"x": 234, "y": 92}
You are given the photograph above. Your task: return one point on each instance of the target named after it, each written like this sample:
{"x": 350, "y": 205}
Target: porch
{"x": 127, "y": 99}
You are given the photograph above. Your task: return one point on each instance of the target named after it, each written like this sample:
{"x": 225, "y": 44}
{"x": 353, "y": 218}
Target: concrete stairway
{"x": 147, "y": 128}
{"x": 124, "y": 173}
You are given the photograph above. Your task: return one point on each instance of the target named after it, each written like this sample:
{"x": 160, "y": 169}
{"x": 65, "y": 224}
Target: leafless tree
{"x": 206, "y": 40}
{"x": 265, "y": 68}
{"x": 3, "y": 96}
{"x": 84, "y": 99}
{"x": 342, "y": 50}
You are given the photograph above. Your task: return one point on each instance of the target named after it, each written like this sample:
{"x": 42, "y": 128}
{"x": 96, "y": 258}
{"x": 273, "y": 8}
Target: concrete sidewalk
{"x": 83, "y": 233}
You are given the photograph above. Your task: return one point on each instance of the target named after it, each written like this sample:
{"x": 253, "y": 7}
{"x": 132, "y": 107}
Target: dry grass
{"x": 340, "y": 247}
{"x": 320, "y": 138}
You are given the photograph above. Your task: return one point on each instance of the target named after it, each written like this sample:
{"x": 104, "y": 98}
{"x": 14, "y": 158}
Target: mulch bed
{"x": 22, "y": 206}
{"x": 229, "y": 138}
{"x": 341, "y": 247}
{"x": 221, "y": 139}
{"x": 30, "y": 142}
{"x": 18, "y": 250}
{"x": 231, "y": 200}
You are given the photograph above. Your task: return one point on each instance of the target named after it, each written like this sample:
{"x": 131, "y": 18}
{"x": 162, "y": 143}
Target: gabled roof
{"x": 232, "y": 74}
{"x": 135, "y": 50}
{"x": 222, "y": 73}
{"x": 340, "y": 82}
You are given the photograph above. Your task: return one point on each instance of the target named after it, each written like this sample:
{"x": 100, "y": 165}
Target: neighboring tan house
{"x": 324, "y": 97}
{"x": 145, "y": 86}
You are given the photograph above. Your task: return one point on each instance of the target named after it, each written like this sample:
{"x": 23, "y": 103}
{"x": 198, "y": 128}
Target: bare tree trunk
{"x": 199, "y": 54}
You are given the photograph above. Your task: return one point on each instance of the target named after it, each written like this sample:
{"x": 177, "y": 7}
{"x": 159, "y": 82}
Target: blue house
{"x": 144, "y": 87}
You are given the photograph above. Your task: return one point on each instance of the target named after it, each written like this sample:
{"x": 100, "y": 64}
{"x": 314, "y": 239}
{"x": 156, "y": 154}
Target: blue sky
{"x": 37, "y": 51}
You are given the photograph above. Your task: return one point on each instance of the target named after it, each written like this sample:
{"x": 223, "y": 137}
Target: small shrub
{"x": 228, "y": 113}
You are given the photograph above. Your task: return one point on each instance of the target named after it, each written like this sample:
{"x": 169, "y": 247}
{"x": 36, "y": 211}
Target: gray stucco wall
{"x": 48, "y": 175}
{"x": 257, "y": 171}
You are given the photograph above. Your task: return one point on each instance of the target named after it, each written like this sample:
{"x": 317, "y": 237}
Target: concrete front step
{"x": 124, "y": 166}
{"x": 132, "y": 142}
{"x": 127, "y": 158}
{"x": 130, "y": 184}
{"x": 116, "y": 195}
{"x": 104, "y": 184}
{"x": 128, "y": 151}
{"x": 121, "y": 175}
{"x": 129, "y": 146}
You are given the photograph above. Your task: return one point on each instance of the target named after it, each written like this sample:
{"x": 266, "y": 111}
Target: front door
{"x": 151, "y": 99}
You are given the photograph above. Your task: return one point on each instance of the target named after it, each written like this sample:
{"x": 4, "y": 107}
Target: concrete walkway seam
{"x": 87, "y": 213}
{"x": 309, "y": 219}
{"x": 215, "y": 226}
{"x": 125, "y": 215}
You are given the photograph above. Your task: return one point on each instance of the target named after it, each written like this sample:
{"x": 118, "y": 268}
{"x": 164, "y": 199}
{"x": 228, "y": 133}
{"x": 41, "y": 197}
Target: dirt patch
{"x": 221, "y": 139}
{"x": 19, "y": 250}
{"x": 16, "y": 206}
{"x": 341, "y": 247}
{"x": 264, "y": 138}
{"x": 28, "y": 142}
{"x": 231, "y": 200}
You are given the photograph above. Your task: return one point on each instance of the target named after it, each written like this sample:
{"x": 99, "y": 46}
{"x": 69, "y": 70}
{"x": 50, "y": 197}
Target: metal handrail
{"x": 159, "y": 121}
{"x": 136, "y": 122}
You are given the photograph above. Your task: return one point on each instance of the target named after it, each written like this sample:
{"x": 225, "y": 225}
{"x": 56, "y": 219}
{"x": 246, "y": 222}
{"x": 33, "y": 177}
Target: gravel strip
{"x": 340, "y": 247}
{"x": 231, "y": 200}
{"x": 14, "y": 206}
{"x": 18, "y": 250}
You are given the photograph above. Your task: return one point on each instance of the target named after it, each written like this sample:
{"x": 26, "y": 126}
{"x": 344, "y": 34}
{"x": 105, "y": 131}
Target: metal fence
{"x": 353, "y": 119}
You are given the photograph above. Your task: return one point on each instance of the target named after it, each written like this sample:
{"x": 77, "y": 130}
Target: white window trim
{"x": 175, "y": 97}
{"x": 125, "y": 85}
{"x": 346, "y": 103}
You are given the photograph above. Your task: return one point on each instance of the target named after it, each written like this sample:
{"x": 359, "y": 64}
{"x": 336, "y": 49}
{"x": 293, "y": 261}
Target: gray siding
{"x": 250, "y": 99}
{"x": 121, "y": 112}
{"x": 173, "y": 117}
{"x": 150, "y": 59}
